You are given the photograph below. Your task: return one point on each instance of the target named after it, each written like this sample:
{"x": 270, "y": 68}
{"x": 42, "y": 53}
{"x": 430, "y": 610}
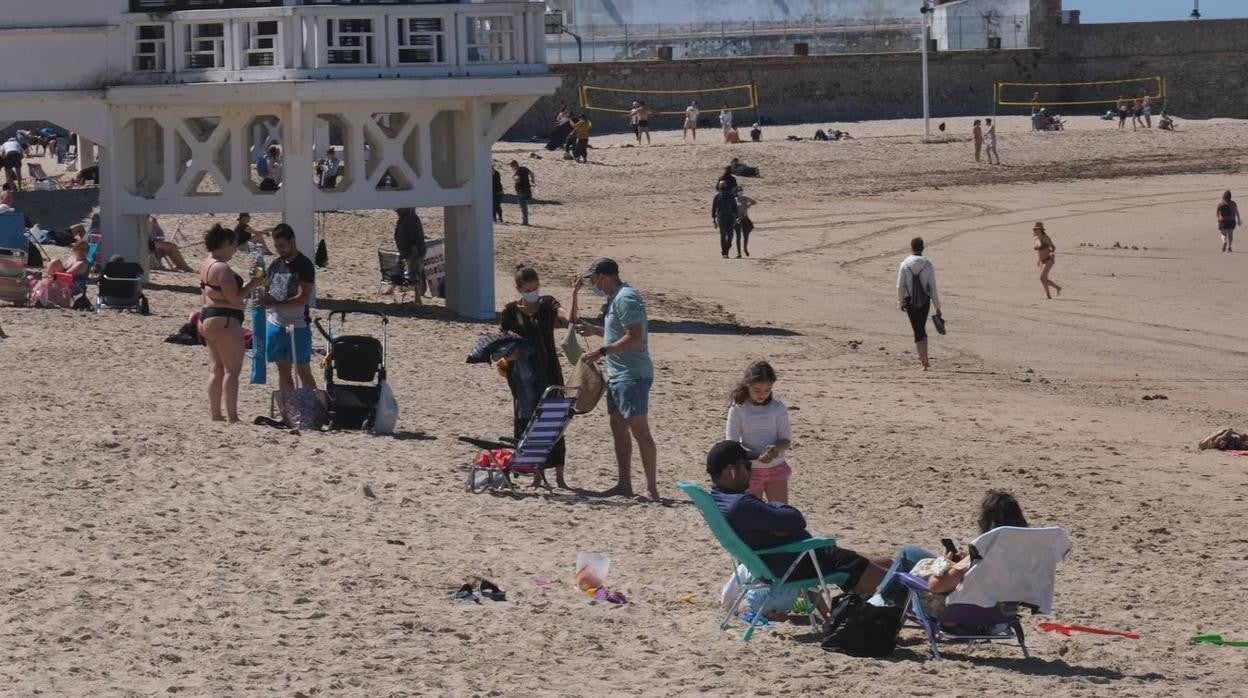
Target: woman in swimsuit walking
{"x": 1046, "y": 253}
{"x": 221, "y": 320}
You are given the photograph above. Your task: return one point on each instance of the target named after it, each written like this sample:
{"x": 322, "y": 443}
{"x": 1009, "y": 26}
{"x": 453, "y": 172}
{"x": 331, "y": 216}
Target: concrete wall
{"x": 71, "y": 12}
{"x": 620, "y": 12}
{"x": 1205, "y": 62}
{"x": 1205, "y": 65}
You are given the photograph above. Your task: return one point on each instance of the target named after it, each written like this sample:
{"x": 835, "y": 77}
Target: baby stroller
{"x": 361, "y": 361}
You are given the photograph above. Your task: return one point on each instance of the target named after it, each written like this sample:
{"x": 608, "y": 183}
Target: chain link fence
{"x": 724, "y": 39}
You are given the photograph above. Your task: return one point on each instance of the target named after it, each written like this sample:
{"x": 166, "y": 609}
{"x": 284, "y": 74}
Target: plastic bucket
{"x": 591, "y": 570}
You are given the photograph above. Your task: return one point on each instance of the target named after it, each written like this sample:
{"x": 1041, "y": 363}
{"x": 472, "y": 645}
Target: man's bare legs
{"x": 623, "y": 455}
{"x": 639, "y": 426}
{"x": 306, "y": 379}
{"x": 623, "y": 431}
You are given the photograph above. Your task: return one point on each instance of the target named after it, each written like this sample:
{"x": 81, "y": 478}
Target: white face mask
{"x": 532, "y": 296}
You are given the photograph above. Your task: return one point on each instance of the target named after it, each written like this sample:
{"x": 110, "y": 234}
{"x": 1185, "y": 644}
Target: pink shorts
{"x": 761, "y": 476}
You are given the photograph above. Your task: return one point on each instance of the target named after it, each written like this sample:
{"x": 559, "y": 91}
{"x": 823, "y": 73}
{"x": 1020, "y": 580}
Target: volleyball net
{"x": 673, "y": 102}
{"x": 1071, "y": 94}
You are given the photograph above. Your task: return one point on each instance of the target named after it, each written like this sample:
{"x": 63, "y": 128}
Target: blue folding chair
{"x": 13, "y": 232}
{"x": 550, "y": 419}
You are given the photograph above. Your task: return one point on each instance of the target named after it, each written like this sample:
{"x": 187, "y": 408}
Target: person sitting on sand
{"x": 741, "y": 169}
{"x": 766, "y": 525}
{"x": 944, "y": 572}
{"x": 159, "y": 246}
{"x": 756, "y": 133}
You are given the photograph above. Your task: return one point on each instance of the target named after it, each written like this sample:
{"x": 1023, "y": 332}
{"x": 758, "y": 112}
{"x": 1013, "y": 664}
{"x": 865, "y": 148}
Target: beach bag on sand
{"x": 387, "y": 412}
{"x": 302, "y": 407}
{"x": 859, "y": 629}
{"x": 587, "y": 379}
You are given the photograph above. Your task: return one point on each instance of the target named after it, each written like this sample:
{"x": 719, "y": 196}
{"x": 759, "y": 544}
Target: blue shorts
{"x": 277, "y": 344}
{"x": 631, "y": 398}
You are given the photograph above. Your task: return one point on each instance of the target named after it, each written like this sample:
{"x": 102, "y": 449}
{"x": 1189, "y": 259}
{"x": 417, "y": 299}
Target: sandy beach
{"x": 149, "y": 551}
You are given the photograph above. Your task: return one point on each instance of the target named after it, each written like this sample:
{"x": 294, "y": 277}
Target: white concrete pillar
{"x": 297, "y": 188}
{"x": 86, "y": 153}
{"x": 469, "y": 241}
{"x": 120, "y": 234}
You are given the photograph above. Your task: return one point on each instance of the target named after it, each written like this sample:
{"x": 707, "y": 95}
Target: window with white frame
{"x": 350, "y": 41}
{"x": 491, "y": 39}
{"x": 205, "y": 46}
{"x": 150, "y": 44}
{"x": 420, "y": 40}
{"x": 262, "y": 42}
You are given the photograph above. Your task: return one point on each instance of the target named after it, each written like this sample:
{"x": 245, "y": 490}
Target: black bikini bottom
{"x": 221, "y": 312}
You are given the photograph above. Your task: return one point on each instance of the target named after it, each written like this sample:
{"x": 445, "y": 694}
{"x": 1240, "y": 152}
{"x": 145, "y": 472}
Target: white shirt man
{"x": 691, "y": 121}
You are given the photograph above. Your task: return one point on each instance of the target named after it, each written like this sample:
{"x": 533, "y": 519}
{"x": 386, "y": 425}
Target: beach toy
{"x": 591, "y": 570}
{"x": 1217, "y": 640}
{"x": 1068, "y": 629}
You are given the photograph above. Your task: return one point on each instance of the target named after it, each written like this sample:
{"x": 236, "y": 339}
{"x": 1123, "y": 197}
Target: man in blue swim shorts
{"x": 630, "y": 373}
{"x": 291, "y": 288}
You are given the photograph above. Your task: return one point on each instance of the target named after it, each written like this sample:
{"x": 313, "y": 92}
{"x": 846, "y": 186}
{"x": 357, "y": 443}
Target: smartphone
{"x": 949, "y": 546}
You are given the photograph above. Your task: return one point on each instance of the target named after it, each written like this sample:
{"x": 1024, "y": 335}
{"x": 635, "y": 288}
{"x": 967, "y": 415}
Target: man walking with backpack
{"x": 916, "y": 292}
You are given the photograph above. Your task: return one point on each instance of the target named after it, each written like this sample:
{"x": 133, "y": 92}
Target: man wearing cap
{"x": 769, "y": 524}
{"x": 630, "y": 373}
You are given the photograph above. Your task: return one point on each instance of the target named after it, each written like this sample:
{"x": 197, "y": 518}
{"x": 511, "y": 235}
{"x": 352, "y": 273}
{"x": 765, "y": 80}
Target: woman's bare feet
{"x": 620, "y": 490}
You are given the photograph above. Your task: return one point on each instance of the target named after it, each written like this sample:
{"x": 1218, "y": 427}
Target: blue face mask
{"x": 532, "y": 296}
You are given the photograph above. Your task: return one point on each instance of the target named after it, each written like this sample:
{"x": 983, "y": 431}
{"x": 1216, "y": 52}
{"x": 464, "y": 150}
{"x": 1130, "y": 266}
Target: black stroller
{"x": 361, "y": 361}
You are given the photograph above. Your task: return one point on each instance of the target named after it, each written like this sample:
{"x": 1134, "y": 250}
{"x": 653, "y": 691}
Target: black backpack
{"x": 918, "y": 292}
{"x": 859, "y": 629}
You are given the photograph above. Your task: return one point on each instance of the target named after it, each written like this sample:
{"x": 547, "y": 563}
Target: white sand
{"x": 148, "y": 551}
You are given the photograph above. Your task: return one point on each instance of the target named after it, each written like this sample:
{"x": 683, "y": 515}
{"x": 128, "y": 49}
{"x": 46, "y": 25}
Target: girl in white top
{"x": 760, "y": 422}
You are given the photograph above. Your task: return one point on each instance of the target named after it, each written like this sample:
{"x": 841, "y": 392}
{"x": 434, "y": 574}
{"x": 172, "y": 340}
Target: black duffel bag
{"x": 859, "y": 629}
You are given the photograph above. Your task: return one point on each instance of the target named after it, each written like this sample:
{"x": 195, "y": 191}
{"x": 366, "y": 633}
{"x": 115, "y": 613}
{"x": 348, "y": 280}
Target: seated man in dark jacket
{"x": 766, "y": 525}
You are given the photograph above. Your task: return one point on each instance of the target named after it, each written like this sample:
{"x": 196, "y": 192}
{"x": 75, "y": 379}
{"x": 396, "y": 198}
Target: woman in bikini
{"x": 1046, "y": 253}
{"x": 221, "y": 320}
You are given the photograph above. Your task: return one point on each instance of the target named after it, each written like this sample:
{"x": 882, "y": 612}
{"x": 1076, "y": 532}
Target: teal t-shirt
{"x": 626, "y": 308}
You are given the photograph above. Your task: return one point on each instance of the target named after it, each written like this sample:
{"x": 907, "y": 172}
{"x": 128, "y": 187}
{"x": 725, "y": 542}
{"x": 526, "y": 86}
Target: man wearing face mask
{"x": 630, "y": 373}
{"x": 535, "y": 367}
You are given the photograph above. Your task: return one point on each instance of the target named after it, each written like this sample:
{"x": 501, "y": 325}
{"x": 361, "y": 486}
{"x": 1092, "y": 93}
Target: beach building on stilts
{"x": 181, "y": 97}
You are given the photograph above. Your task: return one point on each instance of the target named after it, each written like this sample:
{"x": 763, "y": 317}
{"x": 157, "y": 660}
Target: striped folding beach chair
{"x": 493, "y": 469}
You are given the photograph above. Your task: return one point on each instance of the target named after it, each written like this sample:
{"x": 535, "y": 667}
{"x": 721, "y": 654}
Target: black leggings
{"x": 918, "y": 320}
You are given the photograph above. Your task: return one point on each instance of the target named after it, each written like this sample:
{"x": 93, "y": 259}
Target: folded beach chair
{"x": 13, "y": 285}
{"x": 40, "y": 176}
{"x": 121, "y": 288}
{"x": 550, "y": 420}
{"x": 1016, "y": 570}
{"x": 760, "y": 575}
{"x": 393, "y": 272}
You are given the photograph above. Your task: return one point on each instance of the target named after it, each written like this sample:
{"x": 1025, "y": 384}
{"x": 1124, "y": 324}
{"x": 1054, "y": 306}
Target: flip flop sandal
{"x": 491, "y": 591}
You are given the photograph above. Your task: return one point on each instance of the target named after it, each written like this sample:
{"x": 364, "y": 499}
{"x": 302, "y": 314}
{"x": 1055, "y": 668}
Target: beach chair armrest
{"x": 800, "y": 546}
{"x": 912, "y": 582}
